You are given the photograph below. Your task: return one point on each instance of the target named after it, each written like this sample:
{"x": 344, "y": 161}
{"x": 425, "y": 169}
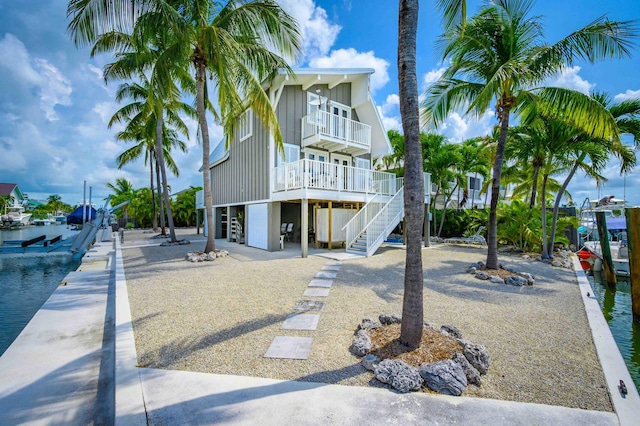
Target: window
{"x": 316, "y": 155}
{"x": 245, "y": 125}
{"x": 363, "y": 163}
{"x": 474, "y": 184}
{"x": 291, "y": 154}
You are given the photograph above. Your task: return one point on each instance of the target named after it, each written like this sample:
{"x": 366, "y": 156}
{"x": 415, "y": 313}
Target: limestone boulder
{"x": 472, "y": 375}
{"x": 370, "y": 362}
{"x": 449, "y": 330}
{"x": 481, "y": 275}
{"x": 477, "y": 355}
{"x": 445, "y": 377}
{"x": 361, "y": 344}
{"x": 367, "y": 324}
{"x": 496, "y": 279}
{"x": 516, "y": 280}
{"x": 399, "y": 375}
{"x": 388, "y": 319}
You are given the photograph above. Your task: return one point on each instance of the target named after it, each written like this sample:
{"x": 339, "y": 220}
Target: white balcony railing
{"x": 325, "y": 125}
{"x": 309, "y": 174}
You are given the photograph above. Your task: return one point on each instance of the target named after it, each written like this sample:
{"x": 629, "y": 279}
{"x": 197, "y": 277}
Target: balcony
{"x": 331, "y": 132}
{"x": 319, "y": 175}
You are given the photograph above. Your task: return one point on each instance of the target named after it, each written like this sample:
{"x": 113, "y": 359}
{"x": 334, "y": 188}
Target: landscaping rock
{"x": 361, "y": 344}
{"x": 556, "y": 263}
{"x": 477, "y": 355}
{"x": 446, "y": 377}
{"x": 370, "y": 362}
{"x": 473, "y": 375}
{"x": 399, "y": 375}
{"x": 388, "y": 319}
{"x": 472, "y": 270}
{"x": 449, "y": 330}
{"x": 481, "y": 275}
{"x": 530, "y": 278}
{"x": 496, "y": 279}
{"x": 367, "y": 324}
{"x": 516, "y": 280}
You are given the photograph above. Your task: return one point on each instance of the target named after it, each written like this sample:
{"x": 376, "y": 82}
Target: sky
{"x": 55, "y": 106}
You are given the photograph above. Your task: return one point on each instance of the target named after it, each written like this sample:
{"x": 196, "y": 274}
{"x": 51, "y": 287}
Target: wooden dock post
{"x": 607, "y": 262}
{"x": 633, "y": 236}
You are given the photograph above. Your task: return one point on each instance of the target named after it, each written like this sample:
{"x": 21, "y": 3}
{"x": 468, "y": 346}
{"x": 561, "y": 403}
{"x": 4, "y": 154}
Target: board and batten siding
{"x": 293, "y": 106}
{"x": 243, "y": 177}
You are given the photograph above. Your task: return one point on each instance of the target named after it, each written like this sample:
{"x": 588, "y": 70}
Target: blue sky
{"x": 54, "y": 105}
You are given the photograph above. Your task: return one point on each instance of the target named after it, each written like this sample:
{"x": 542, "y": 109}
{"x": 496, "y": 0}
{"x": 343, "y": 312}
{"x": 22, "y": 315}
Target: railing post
{"x": 609, "y": 273}
{"x": 633, "y": 238}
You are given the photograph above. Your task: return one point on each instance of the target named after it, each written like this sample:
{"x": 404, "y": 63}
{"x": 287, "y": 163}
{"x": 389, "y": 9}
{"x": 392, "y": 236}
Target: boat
{"x": 59, "y": 219}
{"x": 14, "y": 215}
{"x": 78, "y": 215}
{"x": 590, "y": 254}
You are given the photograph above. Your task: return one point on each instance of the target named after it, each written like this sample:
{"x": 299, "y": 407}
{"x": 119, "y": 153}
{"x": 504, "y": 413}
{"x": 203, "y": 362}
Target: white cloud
{"x": 432, "y": 76}
{"x": 569, "y": 78}
{"x": 54, "y": 88}
{"x": 390, "y": 113}
{"x": 105, "y": 111}
{"x": 318, "y": 33}
{"x": 351, "y": 58}
{"x": 629, "y": 94}
{"x": 458, "y": 128}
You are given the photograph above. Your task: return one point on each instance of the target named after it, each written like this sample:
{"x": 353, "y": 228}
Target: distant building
{"x": 12, "y": 190}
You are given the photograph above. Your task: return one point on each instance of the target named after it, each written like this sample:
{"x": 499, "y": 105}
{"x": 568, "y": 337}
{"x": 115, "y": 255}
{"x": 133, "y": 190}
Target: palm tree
{"x": 591, "y": 154}
{"x": 122, "y": 191}
{"x": 499, "y": 57}
{"x": 234, "y": 44}
{"x": 412, "y": 309}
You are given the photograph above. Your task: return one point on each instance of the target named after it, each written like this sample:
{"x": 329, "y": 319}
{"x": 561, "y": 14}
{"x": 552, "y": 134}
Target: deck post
{"x": 315, "y": 222}
{"x": 633, "y": 236}
{"x": 425, "y": 226}
{"x": 330, "y": 224}
{"x": 304, "y": 227}
{"x": 607, "y": 262}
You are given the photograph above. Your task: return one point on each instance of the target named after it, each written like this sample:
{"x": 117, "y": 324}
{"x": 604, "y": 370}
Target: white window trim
{"x": 341, "y": 157}
{"x": 245, "y": 125}
{"x": 317, "y": 152}
{"x": 341, "y": 106}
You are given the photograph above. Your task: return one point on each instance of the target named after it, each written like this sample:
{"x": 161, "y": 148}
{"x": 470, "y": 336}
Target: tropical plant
{"x": 185, "y": 206}
{"x": 592, "y": 154}
{"x": 122, "y": 191}
{"x": 233, "y": 43}
{"x": 499, "y": 57}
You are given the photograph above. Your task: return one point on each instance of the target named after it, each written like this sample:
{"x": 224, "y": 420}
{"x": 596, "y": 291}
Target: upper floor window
{"x": 291, "y": 154}
{"x": 474, "y": 183}
{"x": 245, "y": 125}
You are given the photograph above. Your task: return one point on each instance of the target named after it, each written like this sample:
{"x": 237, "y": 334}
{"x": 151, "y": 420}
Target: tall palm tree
{"x": 499, "y": 57}
{"x": 412, "y": 309}
{"x": 122, "y": 191}
{"x": 236, "y": 44}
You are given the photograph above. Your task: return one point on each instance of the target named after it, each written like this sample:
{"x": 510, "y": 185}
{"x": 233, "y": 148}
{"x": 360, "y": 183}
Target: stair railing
{"x": 384, "y": 222}
{"x": 359, "y": 222}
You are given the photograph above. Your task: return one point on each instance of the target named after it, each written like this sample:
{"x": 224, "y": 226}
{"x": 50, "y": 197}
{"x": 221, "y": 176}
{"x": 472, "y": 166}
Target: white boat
{"x": 42, "y": 222}
{"x": 15, "y": 215}
{"x": 613, "y": 210}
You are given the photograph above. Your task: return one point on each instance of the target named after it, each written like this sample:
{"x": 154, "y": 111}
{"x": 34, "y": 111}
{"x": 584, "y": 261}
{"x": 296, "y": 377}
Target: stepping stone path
{"x": 290, "y": 347}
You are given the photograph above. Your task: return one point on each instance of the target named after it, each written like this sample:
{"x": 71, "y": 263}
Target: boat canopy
{"x": 75, "y": 218}
{"x": 616, "y": 223}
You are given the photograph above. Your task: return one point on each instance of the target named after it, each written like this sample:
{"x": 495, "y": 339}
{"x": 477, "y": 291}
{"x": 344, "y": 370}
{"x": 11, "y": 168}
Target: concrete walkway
{"x": 65, "y": 369}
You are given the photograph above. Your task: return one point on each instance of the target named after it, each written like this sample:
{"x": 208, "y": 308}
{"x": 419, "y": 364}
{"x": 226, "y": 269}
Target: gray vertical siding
{"x": 244, "y": 177}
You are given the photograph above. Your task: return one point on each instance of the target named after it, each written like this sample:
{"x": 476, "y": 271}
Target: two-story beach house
{"x": 323, "y": 190}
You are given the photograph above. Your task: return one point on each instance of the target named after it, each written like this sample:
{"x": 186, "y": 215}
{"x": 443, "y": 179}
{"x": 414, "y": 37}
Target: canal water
{"x": 616, "y": 307}
{"x": 27, "y": 281}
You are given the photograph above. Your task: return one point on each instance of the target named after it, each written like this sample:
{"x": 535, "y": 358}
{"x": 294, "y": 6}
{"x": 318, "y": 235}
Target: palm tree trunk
{"x": 163, "y": 170}
{"x": 444, "y": 210}
{"x": 204, "y": 131}
{"x": 163, "y": 228}
{"x": 556, "y": 205}
{"x": 534, "y": 187}
{"x": 543, "y": 209}
{"x": 492, "y": 231}
{"x": 412, "y": 309}
{"x": 153, "y": 194}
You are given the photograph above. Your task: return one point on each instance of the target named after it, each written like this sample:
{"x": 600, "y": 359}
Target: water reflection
{"x": 26, "y": 282}
{"x": 616, "y": 307}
